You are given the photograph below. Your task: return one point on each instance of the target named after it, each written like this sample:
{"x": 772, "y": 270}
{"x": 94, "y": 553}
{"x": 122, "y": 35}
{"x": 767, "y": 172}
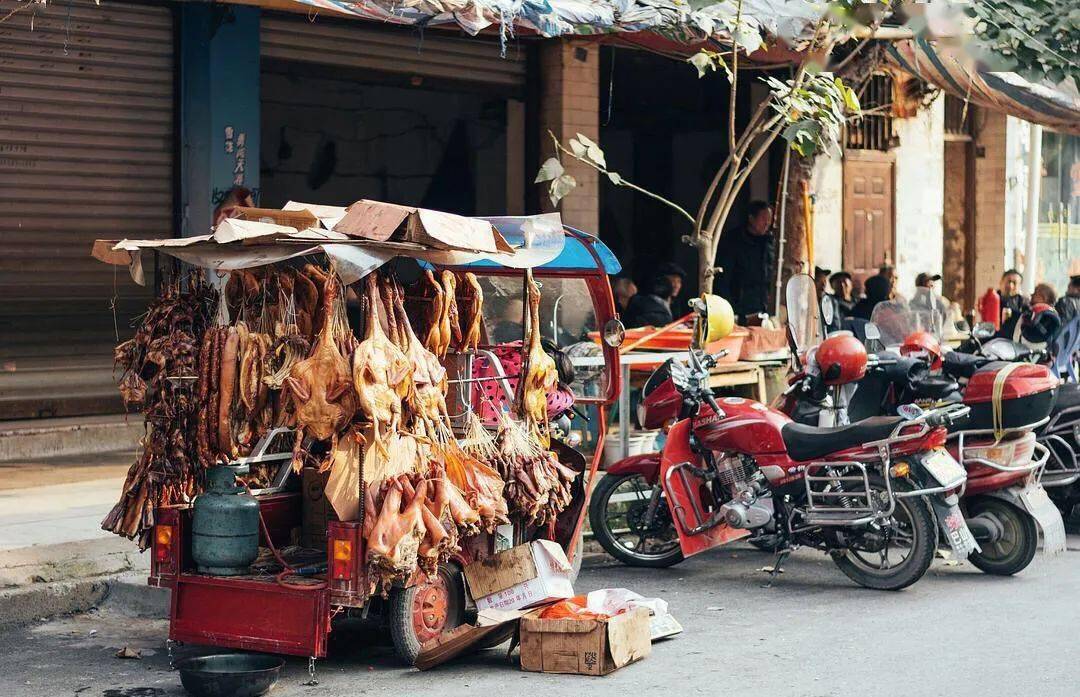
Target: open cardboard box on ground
{"x": 584, "y": 646}
{"x": 521, "y": 577}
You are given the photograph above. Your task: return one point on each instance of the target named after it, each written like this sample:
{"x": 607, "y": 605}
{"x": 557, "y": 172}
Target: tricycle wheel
{"x": 420, "y": 613}
{"x": 1019, "y": 538}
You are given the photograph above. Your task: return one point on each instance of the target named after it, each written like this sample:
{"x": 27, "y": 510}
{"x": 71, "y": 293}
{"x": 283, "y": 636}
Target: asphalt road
{"x": 956, "y": 632}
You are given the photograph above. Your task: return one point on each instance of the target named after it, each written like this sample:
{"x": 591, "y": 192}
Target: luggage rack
{"x": 1039, "y": 457}
{"x": 953, "y": 412}
{"x": 828, "y": 506}
{"x": 1062, "y": 467}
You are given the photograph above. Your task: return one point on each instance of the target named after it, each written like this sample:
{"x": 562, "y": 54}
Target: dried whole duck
{"x": 472, "y": 300}
{"x": 162, "y": 360}
{"x": 426, "y": 403}
{"x": 321, "y": 385}
{"x": 541, "y": 376}
{"x": 450, "y": 324}
{"x": 432, "y": 291}
{"x": 381, "y": 373}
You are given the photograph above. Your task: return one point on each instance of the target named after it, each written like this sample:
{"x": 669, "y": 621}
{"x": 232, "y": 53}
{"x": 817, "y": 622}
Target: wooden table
{"x": 737, "y": 374}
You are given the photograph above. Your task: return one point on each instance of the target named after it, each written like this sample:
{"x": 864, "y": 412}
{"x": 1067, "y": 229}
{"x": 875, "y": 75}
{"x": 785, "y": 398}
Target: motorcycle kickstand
{"x": 777, "y": 569}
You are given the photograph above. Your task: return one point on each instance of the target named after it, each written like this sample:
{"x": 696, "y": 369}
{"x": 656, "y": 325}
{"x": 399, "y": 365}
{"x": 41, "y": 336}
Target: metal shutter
{"x": 404, "y": 51}
{"x": 86, "y": 152}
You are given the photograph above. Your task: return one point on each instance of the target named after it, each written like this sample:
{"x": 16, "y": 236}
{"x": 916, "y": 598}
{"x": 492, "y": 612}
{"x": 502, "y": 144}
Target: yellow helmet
{"x": 717, "y": 319}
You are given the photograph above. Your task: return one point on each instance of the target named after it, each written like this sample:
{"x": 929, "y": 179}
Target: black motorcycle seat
{"x": 936, "y": 388}
{"x": 810, "y": 442}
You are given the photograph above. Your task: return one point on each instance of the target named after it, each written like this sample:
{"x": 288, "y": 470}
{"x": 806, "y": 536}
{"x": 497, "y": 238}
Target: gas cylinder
{"x": 225, "y": 525}
{"x": 990, "y": 307}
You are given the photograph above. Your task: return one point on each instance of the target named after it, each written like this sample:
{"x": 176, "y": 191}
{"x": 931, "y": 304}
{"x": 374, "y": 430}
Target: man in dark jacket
{"x": 746, "y": 255}
{"x": 878, "y": 290}
{"x": 1068, "y": 305}
{"x": 1009, "y": 292}
{"x": 652, "y": 309}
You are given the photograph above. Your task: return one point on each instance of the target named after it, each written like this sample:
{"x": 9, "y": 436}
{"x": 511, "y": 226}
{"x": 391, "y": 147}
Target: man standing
{"x": 1068, "y": 305}
{"x": 746, "y": 256}
{"x": 1009, "y": 292}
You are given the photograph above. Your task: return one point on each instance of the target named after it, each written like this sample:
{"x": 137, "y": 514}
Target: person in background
{"x": 1044, "y": 293}
{"x": 623, "y": 289}
{"x": 821, "y": 280}
{"x": 675, "y": 274}
{"x": 888, "y": 271}
{"x": 508, "y": 327}
{"x": 1009, "y": 292}
{"x": 746, "y": 256}
{"x": 928, "y": 301}
{"x": 878, "y": 289}
{"x": 843, "y": 288}
{"x": 652, "y": 309}
{"x": 1068, "y": 305}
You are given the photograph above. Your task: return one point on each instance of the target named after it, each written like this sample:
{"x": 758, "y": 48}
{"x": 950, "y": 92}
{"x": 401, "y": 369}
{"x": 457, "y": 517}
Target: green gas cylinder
{"x": 225, "y": 526}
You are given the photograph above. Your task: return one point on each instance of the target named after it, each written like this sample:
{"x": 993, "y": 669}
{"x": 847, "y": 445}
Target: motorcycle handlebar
{"x": 947, "y": 416}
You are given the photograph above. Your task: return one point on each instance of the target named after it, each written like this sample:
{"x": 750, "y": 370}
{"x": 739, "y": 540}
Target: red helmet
{"x": 923, "y": 345}
{"x": 841, "y": 358}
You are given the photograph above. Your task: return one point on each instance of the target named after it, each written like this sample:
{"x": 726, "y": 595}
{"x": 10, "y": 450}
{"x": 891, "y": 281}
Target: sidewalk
{"x": 54, "y": 556}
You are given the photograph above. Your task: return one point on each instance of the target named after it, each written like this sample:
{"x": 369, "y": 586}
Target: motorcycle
{"x": 871, "y": 494}
{"x": 1004, "y": 504}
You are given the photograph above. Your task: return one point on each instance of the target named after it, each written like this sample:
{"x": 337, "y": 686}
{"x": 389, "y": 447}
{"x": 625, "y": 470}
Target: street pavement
{"x": 956, "y": 632}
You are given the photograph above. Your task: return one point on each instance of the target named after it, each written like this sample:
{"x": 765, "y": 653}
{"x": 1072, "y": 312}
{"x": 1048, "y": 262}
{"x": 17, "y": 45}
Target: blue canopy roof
{"x": 575, "y": 254}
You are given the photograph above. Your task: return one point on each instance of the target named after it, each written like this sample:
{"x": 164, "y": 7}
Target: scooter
{"x": 870, "y": 495}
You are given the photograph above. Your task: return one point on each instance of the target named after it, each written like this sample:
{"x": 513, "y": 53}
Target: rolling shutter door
{"x": 395, "y": 50}
{"x": 86, "y": 152}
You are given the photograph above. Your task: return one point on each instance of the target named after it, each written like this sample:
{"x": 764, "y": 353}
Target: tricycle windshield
{"x": 567, "y": 316}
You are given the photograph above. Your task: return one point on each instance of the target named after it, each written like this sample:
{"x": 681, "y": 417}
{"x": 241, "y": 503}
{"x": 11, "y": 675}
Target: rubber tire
{"x": 924, "y": 529}
{"x": 597, "y": 521}
{"x": 1024, "y": 553}
{"x": 399, "y": 615}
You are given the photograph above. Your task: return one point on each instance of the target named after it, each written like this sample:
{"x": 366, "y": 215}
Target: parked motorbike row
{"x": 882, "y": 449}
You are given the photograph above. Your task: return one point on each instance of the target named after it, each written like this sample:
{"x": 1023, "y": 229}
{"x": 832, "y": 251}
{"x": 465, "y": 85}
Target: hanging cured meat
{"x": 541, "y": 376}
{"x": 381, "y": 372}
{"x": 321, "y": 385}
{"x": 472, "y": 304}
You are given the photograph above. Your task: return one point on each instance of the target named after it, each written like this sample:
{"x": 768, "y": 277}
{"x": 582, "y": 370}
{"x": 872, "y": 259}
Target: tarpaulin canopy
{"x": 950, "y": 70}
{"x": 688, "y": 23}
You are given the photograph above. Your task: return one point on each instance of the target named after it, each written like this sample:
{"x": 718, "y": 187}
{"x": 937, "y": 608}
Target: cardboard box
{"x": 584, "y": 647}
{"x": 298, "y": 219}
{"x": 522, "y": 577}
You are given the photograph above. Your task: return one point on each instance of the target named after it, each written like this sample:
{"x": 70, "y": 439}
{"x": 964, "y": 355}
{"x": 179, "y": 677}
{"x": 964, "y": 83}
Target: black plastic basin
{"x": 230, "y": 674}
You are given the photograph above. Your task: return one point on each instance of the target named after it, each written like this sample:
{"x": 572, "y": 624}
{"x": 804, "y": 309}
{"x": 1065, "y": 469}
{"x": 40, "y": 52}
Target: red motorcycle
{"x": 869, "y": 494}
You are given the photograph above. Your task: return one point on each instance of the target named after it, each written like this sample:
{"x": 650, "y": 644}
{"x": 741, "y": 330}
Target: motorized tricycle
{"x": 292, "y": 611}
{"x": 733, "y": 468}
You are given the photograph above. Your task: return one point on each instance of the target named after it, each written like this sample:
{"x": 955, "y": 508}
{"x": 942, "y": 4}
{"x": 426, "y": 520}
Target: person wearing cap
{"x": 746, "y": 256}
{"x": 926, "y": 300}
{"x": 1068, "y": 305}
{"x": 843, "y": 287}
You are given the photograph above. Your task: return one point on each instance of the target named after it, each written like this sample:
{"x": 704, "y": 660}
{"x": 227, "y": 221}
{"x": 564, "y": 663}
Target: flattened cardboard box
{"x": 521, "y": 577}
{"x": 584, "y": 647}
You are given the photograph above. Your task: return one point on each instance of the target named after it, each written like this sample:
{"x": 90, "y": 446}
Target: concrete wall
{"x": 990, "y": 190}
{"x": 919, "y": 199}
{"x": 920, "y": 194}
{"x": 570, "y": 104}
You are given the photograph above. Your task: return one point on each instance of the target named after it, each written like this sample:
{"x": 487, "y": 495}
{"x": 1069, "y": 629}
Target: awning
{"x": 791, "y": 21}
{"x": 951, "y": 71}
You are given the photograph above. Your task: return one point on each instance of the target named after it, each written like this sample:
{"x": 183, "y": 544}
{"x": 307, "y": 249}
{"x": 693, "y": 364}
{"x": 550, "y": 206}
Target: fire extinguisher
{"x": 990, "y": 307}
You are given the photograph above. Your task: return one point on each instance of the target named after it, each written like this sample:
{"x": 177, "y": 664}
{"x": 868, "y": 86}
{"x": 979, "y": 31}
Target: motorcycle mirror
{"x": 828, "y": 307}
{"x": 910, "y": 412}
{"x": 983, "y": 331}
{"x": 871, "y": 332}
{"x": 614, "y": 333}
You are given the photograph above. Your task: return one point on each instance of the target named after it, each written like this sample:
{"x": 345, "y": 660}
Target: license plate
{"x": 1046, "y": 514}
{"x": 952, "y": 523}
{"x": 943, "y": 467}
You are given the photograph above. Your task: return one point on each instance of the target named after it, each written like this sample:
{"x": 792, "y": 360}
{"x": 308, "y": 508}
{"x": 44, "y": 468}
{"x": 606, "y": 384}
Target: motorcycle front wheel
{"x": 617, "y": 512}
{"x": 1019, "y": 540}
{"x": 894, "y": 555}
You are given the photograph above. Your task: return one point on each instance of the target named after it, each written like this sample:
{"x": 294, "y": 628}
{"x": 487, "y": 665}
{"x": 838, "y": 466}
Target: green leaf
{"x": 551, "y": 169}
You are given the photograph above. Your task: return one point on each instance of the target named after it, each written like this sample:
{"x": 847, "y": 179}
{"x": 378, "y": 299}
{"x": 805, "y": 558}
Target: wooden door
{"x": 869, "y": 238}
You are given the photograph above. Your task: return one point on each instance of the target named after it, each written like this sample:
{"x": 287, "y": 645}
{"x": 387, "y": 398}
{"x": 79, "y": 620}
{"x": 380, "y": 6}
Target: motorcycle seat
{"x": 812, "y": 442}
{"x": 937, "y": 388}
{"x": 1068, "y": 396}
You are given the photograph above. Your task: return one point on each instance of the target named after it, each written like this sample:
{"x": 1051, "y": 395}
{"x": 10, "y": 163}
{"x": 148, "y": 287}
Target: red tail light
{"x": 343, "y": 563}
{"x": 163, "y": 543}
{"x": 937, "y": 438}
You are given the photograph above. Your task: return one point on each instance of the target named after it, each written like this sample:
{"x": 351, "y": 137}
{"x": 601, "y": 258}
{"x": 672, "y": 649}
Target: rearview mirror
{"x": 984, "y": 331}
{"x": 614, "y": 333}
{"x": 871, "y": 331}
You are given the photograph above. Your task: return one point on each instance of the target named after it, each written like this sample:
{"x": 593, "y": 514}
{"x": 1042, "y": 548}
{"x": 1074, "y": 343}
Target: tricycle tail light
{"x": 163, "y": 537}
{"x": 342, "y": 563}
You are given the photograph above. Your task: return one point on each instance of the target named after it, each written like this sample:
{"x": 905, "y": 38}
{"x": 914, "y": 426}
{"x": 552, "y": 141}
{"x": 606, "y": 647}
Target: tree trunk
{"x": 795, "y": 258}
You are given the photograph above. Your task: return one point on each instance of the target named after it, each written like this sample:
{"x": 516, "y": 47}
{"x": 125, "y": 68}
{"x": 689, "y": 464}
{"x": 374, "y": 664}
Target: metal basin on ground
{"x": 230, "y": 674}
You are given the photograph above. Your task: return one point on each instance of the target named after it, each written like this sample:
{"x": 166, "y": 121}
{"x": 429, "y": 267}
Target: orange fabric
{"x": 572, "y": 609}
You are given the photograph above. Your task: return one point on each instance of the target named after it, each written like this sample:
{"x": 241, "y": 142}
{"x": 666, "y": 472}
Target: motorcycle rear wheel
{"x": 1011, "y": 554}
{"x": 914, "y": 514}
{"x": 603, "y": 511}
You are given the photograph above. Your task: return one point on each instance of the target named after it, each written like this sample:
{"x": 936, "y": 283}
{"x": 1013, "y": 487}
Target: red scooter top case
{"x": 1027, "y": 395}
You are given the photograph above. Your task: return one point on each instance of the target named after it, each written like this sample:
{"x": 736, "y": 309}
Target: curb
{"x": 126, "y": 595}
